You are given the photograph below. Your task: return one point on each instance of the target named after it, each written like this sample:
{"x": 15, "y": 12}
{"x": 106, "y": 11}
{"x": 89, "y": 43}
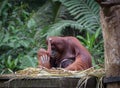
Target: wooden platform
{"x": 43, "y": 82}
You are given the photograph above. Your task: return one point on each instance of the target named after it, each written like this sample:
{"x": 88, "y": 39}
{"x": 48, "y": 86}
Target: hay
{"x": 43, "y": 72}
{"x": 61, "y": 72}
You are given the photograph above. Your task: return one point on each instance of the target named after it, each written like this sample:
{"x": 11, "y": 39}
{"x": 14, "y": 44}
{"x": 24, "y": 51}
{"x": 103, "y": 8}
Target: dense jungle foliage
{"x": 25, "y": 24}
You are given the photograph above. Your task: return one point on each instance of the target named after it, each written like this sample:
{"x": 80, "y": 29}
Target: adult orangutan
{"x": 65, "y": 52}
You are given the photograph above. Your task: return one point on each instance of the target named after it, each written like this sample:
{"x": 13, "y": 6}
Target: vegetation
{"x": 24, "y": 28}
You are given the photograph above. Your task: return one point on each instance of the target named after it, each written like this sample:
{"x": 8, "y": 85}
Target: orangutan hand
{"x": 45, "y": 61}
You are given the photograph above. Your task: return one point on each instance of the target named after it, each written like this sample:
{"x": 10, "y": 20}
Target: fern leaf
{"x": 58, "y": 27}
{"x": 85, "y": 12}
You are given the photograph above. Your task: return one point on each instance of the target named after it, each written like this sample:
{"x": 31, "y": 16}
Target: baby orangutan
{"x": 65, "y": 52}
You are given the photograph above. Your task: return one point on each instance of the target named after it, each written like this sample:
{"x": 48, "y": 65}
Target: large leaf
{"x": 47, "y": 14}
{"x": 85, "y": 12}
{"x": 56, "y": 29}
{"x": 28, "y": 61}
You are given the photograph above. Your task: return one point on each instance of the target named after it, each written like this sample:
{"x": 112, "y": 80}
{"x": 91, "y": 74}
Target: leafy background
{"x": 25, "y": 24}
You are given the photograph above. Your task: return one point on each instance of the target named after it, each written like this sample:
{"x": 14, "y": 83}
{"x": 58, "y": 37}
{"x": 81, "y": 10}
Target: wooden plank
{"x": 44, "y": 82}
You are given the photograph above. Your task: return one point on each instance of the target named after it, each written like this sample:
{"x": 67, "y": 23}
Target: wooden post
{"x": 110, "y": 20}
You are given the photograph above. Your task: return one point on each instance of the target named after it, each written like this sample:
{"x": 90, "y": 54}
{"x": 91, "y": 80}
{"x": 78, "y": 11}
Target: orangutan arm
{"x": 78, "y": 64}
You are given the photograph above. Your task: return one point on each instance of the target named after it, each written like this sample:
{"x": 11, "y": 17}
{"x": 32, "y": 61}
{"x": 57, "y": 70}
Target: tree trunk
{"x": 110, "y": 20}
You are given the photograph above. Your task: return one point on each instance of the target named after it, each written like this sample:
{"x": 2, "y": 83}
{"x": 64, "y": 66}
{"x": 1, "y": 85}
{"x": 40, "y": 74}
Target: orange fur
{"x": 68, "y": 47}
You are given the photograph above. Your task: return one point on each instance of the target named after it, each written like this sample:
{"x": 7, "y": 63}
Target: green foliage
{"x": 57, "y": 28}
{"x": 27, "y": 61}
{"x": 9, "y": 64}
{"x": 17, "y": 37}
{"x": 90, "y": 39}
{"x": 94, "y": 44}
{"x": 85, "y": 16}
{"x": 85, "y": 12}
